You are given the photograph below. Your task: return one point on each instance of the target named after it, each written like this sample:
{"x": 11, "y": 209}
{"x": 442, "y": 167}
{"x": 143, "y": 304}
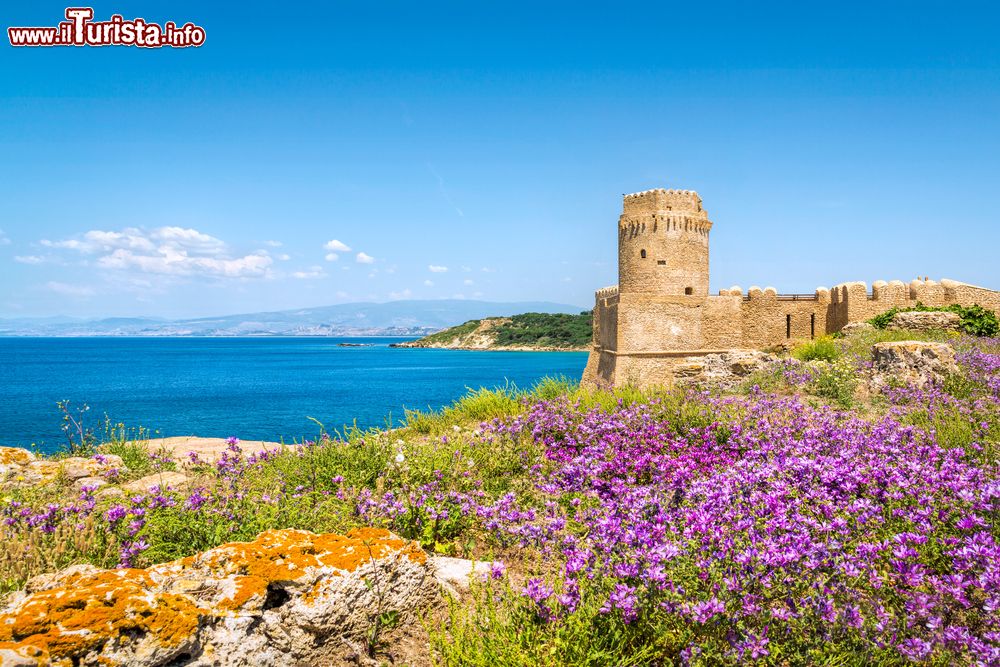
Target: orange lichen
{"x": 15, "y": 455}
{"x": 285, "y": 555}
{"x": 84, "y": 612}
{"x": 247, "y": 589}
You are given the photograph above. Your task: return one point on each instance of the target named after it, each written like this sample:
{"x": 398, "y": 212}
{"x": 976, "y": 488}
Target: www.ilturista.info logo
{"x": 80, "y": 30}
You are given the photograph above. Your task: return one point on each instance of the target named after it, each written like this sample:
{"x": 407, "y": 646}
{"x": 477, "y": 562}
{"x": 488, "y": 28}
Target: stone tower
{"x": 663, "y": 244}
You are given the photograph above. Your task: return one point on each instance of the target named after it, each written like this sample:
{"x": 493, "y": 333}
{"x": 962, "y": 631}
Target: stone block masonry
{"x": 660, "y": 313}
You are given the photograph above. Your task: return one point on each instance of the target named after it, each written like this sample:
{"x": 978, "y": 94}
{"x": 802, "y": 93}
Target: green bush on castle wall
{"x": 973, "y": 320}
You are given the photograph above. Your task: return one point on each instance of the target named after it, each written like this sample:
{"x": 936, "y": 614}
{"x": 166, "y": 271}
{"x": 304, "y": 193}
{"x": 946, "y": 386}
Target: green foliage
{"x": 501, "y": 628}
{"x": 974, "y": 320}
{"x": 821, "y": 349}
{"x": 552, "y": 387}
{"x": 836, "y": 382}
{"x": 554, "y": 330}
{"x": 477, "y": 405}
{"x": 547, "y": 330}
{"x": 132, "y": 445}
{"x": 977, "y": 321}
{"x": 882, "y": 321}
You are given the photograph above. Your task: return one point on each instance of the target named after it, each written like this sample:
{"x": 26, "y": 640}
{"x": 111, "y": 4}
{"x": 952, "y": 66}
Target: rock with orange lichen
{"x": 288, "y": 597}
{"x": 15, "y": 456}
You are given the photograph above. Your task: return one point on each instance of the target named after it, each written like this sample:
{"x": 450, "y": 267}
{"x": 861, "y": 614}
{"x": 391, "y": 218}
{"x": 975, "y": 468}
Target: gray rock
{"x": 22, "y": 657}
{"x": 724, "y": 370}
{"x": 911, "y": 362}
{"x": 290, "y": 597}
{"x": 455, "y": 574}
{"x": 925, "y": 321}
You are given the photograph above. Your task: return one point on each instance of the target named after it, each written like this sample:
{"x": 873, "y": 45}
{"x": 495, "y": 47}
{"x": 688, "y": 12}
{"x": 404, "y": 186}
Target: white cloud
{"x": 311, "y": 273}
{"x": 567, "y": 279}
{"x": 476, "y": 295}
{"x": 284, "y": 257}
{"x": 3, "y": 238}
{"x": 174, "y": 251}
{"x": 458, "y": 296}
{"x": 174, "y": 263}
{"x": 487, "y": 269}
{"x": 70, "y": 290}
{"x": 468, "y": 282}
{"x": 341, "y": 294}
{"x": 29, "y": 259}
{"x": 364, "y": 258}
{"x": 429, "y": 283}
{"x": 434, "y": 268}
{"x": 336, "y": 246}
{"x": 331, "y": 257}
{"x": 466, "y": 268}
{"x": 274, "y": 244}
{"x": 404, "y": 294}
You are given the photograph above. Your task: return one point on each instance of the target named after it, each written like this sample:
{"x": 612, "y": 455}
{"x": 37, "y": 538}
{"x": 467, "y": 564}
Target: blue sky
{"x": 481, "y": 150}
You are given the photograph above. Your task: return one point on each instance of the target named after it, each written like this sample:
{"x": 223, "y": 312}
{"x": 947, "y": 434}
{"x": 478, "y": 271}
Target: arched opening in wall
{"x": 788, "y": 326}
{"x": 642, "y": 253}
{"x": 689, "y": 291}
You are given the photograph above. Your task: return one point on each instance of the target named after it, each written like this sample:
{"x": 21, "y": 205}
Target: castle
{"x": 661, "y": 314}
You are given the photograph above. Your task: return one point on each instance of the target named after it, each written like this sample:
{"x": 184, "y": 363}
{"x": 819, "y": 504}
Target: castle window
{"x": 812, "y": 325}
{"x": 642, "y": 253}
{"x": 661, "y": 262}
{"x": 788, "y": 326}
{"x": 689, "y": 290}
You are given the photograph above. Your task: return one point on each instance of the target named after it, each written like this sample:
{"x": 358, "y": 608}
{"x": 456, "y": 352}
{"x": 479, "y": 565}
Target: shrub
{"x": 973, "y": 320}
{"x": 821, "y": 349}
{"x": 547, "y": 329}
{"x": 837, "y": 382}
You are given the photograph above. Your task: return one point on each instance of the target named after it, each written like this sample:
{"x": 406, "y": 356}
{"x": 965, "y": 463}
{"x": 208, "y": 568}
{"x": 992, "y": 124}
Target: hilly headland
{"x": 547, "y": 332}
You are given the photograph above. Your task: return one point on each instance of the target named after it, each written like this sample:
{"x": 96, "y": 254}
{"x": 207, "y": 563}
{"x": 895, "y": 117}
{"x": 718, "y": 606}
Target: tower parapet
{"x": 660, "y": 200}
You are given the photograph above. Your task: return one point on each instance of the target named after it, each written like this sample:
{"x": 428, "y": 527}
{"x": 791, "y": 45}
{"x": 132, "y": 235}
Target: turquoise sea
{"x": 253, "y": 388}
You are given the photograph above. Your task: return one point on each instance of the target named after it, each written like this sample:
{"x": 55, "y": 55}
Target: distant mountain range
{"x": 393, "y": 318}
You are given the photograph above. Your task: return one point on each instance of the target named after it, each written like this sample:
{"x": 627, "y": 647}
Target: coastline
{"x": 471, "y": 348}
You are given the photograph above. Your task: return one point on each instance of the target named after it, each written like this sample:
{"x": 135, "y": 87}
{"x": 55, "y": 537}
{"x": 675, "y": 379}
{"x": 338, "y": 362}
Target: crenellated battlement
{"x": 663, "y": 201}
